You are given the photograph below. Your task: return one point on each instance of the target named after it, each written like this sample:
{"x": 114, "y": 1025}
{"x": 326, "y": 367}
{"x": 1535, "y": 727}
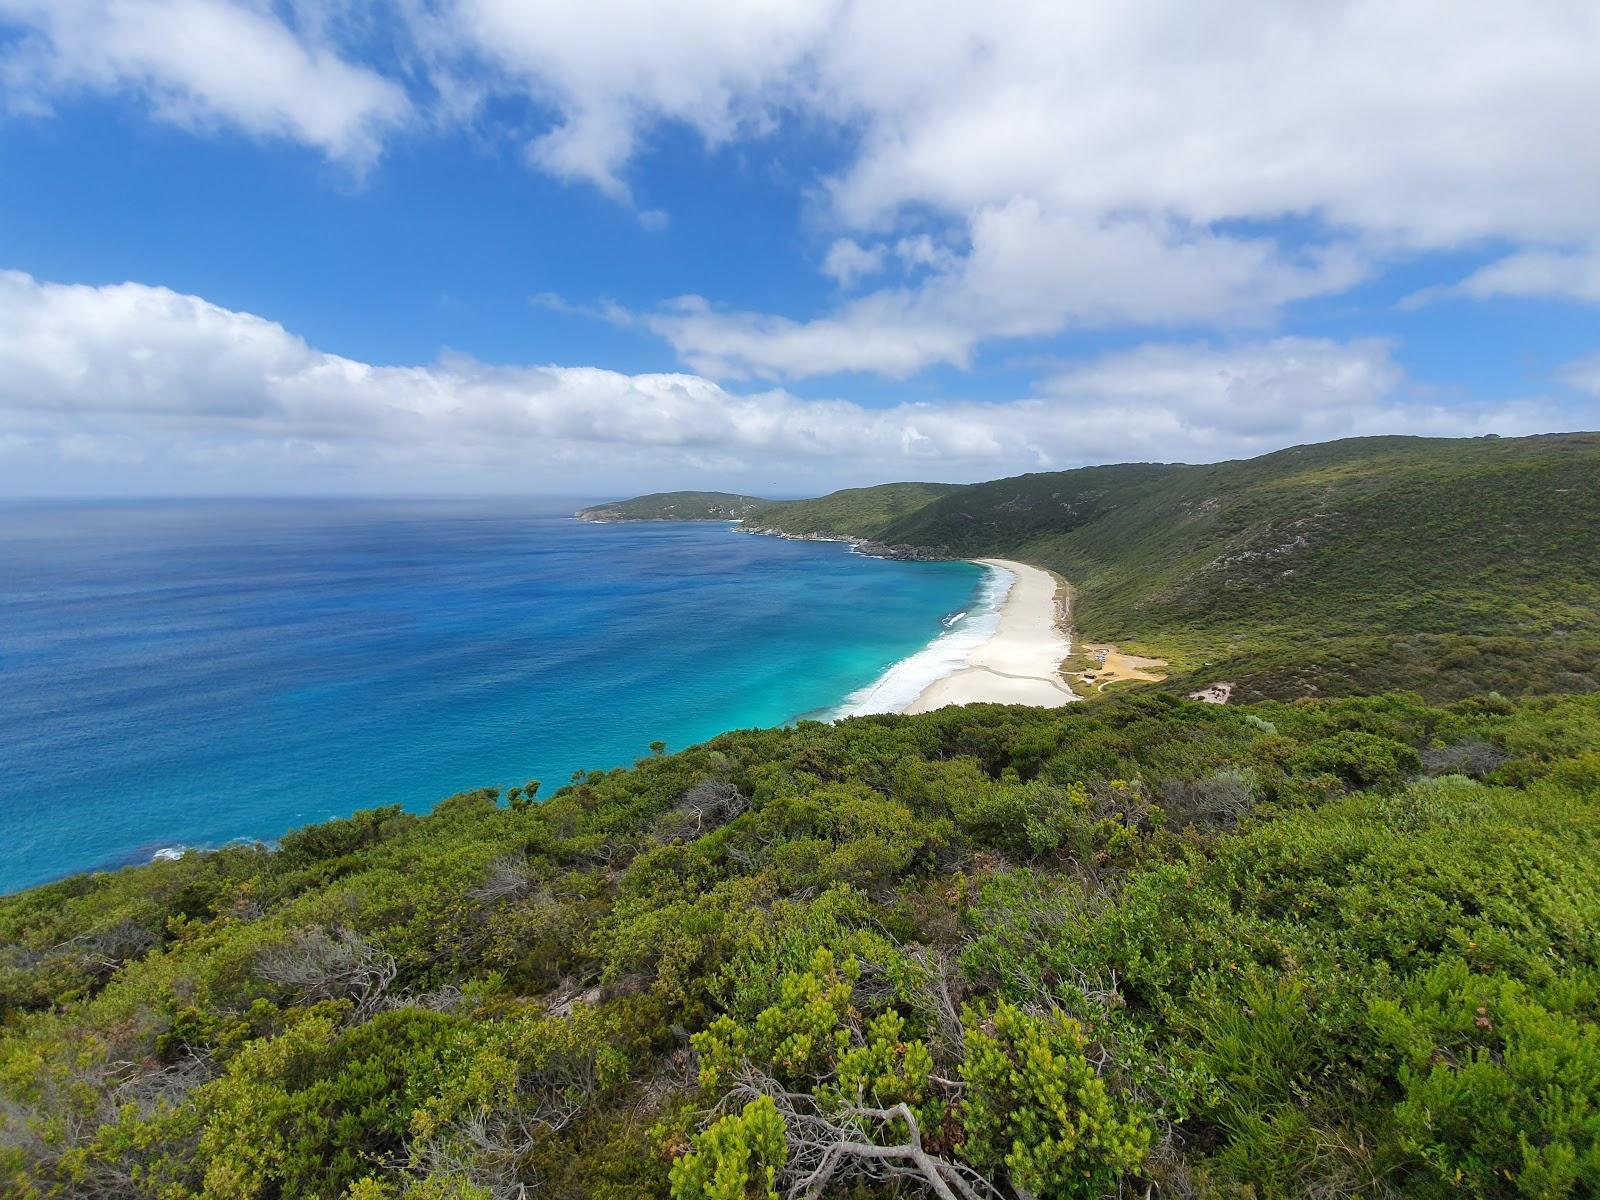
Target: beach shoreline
{"x": 1019, "y": 663}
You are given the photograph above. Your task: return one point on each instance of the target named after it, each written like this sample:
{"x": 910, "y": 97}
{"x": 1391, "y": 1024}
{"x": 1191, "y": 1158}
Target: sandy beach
{"x": 1020, "y": 662}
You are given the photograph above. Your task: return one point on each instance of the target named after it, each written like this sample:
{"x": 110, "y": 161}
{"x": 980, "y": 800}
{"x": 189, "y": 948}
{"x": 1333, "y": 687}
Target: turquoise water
{"x": 186, "y": 673}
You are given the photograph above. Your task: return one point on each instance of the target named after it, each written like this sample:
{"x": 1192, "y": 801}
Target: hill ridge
{"x": 1445, "y": 565}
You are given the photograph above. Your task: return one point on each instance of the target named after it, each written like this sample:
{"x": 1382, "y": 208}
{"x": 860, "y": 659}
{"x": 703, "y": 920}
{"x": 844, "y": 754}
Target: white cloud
{"x": 1150, "y": 163}
{"x": 1016, "y": 168}
{"x": 923, "y": 251}
{"x": 848, "y": 261}
{"x": 1027, "y": 273}
{"x": 202, "y": 63}
{"x": 613, "y": 68}
{"x": 1537, "y": 273}
{"x": 1432, "y": 121}
{"x": 1251, "y": 397}
{"x": 170, "y": 389}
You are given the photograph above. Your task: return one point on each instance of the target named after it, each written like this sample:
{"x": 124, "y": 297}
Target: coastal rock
{"x": 905, "y": 553}
{"x": 870, "y": 548}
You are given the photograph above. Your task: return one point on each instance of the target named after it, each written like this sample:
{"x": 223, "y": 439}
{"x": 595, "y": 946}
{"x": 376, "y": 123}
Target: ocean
{"x": 185, "y": 673}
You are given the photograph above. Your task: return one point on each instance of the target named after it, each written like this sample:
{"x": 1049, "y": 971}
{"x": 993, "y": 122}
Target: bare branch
{"x": 506, "y": 878}
{"x": 940, "y": 1000}
{"x": 833, "y": 1145}
{"x": 320, "y": 965}
{"x": 708, "y": 805}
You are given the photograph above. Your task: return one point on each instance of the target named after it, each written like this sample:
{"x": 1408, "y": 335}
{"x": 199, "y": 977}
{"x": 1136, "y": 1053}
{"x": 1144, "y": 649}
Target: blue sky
{"x": 463, "y": 245}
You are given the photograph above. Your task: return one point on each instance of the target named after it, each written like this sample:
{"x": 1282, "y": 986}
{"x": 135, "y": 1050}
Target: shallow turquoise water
{"x": 185, "y": 673}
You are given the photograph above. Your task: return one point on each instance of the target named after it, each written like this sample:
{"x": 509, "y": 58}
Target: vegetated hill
{"x": 1137, "y": 947}
{"x": 854, "y": 512}
{"x": 1445, "y": 565}
{"x": 675, "y": 506}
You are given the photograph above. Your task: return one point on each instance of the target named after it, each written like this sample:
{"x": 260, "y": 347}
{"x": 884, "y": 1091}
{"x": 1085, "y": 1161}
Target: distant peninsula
{"x": 676, "y": 506}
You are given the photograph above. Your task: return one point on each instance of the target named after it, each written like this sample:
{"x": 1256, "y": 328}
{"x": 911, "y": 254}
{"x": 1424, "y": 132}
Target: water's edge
{"x": 244, "y": 669}
{"x": 946, "y": 654}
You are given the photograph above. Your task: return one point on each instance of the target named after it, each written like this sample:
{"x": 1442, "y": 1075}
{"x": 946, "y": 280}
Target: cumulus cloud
{"x": 179, "y": 388}
{"x": 201, "y": 63}
{"x": 848, "y": 261}
{"x": 1252, "y": 397}
{"x": 612, "y": 69}
{"x": 1028, "y": 273}
{"x": 1431, "y": 121}
{"x": 1011, "y": 169}
{"x": 1151, "y": 163}
{"x": 1572, "y": 274}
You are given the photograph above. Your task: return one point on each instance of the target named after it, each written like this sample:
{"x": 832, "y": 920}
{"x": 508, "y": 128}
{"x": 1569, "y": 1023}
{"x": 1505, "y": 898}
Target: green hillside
{"x": 855, "y": 512}
{"x": 1135, "y": 947}
{"x": 1445, "y": 565}
{"x": 1319, "y": 946}
{"x": 675, "y": 506}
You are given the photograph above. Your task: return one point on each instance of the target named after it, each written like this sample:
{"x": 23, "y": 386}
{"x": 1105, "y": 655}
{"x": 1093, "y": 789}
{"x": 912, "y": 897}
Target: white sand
{"x": 1020, "y": 663}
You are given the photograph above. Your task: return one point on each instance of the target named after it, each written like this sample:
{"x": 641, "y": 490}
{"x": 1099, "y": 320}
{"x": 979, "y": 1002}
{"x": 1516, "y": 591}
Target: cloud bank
{"x": 1014, "y": 169}
{"x": 166, "y": 391}
{"x": 1087, "y": 166}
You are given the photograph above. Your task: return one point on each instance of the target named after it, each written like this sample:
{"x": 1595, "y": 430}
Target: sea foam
{"x": 945, "y": 655}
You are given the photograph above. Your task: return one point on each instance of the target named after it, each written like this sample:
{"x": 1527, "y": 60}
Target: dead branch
{"x": 507, "y": 877}
{"x": 949, "y": 1033}
{"x": 323, "y": 965}
{"x": 708, "y": 805}
{"x": 835, "y": 1145}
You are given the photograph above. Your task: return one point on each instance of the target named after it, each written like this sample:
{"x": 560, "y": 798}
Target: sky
{"x": 778, "y": 246}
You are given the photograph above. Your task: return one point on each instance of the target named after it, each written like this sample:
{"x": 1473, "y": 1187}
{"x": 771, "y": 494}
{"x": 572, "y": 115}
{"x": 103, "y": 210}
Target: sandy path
{"x": 1110, "y": 666}
{"x": 1020, "y": 663}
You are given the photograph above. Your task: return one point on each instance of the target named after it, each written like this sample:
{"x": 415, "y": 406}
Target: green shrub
{"x": 798, "y": 1038}
{"x": 736, "y": 1158}
{"x": 1296, "y": 997}
{"x": 1501, "y": 1095}
{"x": 1360, "y": 759}
{"x": 1034, "y": 1106}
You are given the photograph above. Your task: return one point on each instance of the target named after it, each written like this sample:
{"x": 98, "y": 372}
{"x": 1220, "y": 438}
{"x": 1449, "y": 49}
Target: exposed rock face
{"x": 905, "y": 553}
{"x": 774, "y": 531}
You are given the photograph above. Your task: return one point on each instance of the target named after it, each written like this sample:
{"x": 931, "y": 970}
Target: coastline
{"x": 1019, "y": 663}
{"x": 1006, "y": 651}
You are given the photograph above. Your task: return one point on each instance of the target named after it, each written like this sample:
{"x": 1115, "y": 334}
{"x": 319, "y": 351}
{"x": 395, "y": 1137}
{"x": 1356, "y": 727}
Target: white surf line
{"x": 1019, "y": 663}
{"x": 946, "y": 654}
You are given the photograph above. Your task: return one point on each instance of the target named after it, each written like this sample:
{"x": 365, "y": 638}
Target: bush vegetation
{"x": 676, "y": 506}
{"x": 1139, "y": 946}
{"x": 854, "y": 512}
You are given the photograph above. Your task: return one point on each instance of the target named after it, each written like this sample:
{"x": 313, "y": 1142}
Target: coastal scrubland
{"x": 1135, "y": 946}
{"x": 1443, "y": 566}
{"x": 1339, "y": 939}
{"x": 676, "y": 506}
{"x": 854, "y": 512}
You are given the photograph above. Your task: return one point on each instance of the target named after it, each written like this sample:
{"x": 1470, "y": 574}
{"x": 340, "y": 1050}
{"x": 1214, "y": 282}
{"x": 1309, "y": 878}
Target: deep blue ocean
{"x": 184, "y": 673}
